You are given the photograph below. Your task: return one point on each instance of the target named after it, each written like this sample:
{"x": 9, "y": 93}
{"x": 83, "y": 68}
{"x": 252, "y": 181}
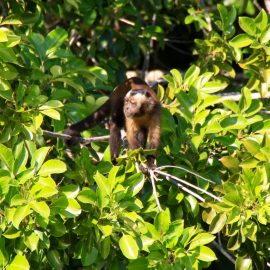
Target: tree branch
{"x": 81, "y": 139}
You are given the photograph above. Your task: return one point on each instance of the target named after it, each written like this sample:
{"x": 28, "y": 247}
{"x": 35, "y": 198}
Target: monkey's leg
{"x": 115, "y": 140}
{"x": 154, "y": 139}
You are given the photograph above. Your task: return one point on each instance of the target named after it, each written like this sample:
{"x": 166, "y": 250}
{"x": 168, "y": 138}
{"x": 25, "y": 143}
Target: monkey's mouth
{"x": 132, "y": 114}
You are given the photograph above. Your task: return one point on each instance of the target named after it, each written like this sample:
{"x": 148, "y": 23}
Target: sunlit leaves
{"x": 129, "y": 247}
{"x": 52, "y": 167}
{"x": 19, "y": 263}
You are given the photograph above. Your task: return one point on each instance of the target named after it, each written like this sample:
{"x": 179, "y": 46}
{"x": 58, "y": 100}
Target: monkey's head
{"x": 139, "y": 103}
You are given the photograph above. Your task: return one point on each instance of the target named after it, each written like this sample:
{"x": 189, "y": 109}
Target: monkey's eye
{"x": 148, "y": 94}
{"x": 132, "y": 102}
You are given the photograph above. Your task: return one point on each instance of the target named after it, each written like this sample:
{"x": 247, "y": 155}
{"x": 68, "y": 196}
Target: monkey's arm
{"x": 154, "y": 138}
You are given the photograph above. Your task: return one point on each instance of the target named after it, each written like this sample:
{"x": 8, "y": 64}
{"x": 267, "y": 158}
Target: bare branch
{"x": 186, "y": 170}
{"x": 81, "y": 140}
{"x": 187, "y": 184}
{"x": 223, "y": 251}
{"x": 153, "y": 178}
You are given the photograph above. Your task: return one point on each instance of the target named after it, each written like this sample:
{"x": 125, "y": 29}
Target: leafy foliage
{"x": 57, "y": 212}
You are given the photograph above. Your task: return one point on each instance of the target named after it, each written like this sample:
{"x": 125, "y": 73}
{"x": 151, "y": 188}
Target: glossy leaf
{"x": 20, "y": 214}
{"x": 243, "y": 263}
{"x": 201, "y": 240}
{"x": 6, "y": 156}
{"x": 218, "y": 223}
{"x": 248, "y": 25}
{"x": 19, "y": 263}
{"x": 206, "y": 254}
{"x": 129, "y": 247}
{"x": 41, "y": 207}
{"x": 39, "y": 156}
{"x": 162, "y": 221}
{"x": 52, "y": 166}
{"x": 241, "y": 40}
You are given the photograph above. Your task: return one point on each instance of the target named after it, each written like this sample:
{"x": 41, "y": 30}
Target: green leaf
{"x": 230, "y": 162}
{"x": 162, "y": 221}
{"x": 3, "y": 253}
{"x": 243, "y": 263}
{"x": 44, "y": 188}
{"x": 189, "y": 19}
{"x": 99, "y": 73}
{"x": 12, "y": 20}
{"x": 192, "y": 204}
{"x": 102, "y": 183}
{"x": 54, "y": 259}
{"x": 89, "y": 257}
{"x": 5, "y": 134}
{"x": 248, "y": 25}
{"x": 70, "y": 191}
{"x": 234, "y": 122}
{"x": 73, "y": 207}
{"x": 214, "y": 86}
{"x": 201, "y": 240}
{"x": 31, "y": 241}
{"x": 7, "y": 54}
{"x": 265, "y": 35}
{"x": 191, "y": 75}
{"x": 52, "y": 166}
{"x": 51, "y": 104}
{"x": 39, "y": 157}
{"x": 106, "y": 230}
{"x": 12, "y": 233}
{"x": 177, "y": 77}
{"x": 240, "y": 41}
{"x": 251, "y": 145}
{"x": 218, "y": 223}
{"x": 87, "y": 196}
{"x": 234, "y": 242}
{"x": 261, "y": 20}
{"x": 245, "y": 100}
{"x": 38, "y": 41}
{"x": 41, "y": 207}
{"x": 52, "y": 113}
{"x": 54, "y": 40}
{"x": 206, "y": 254}
{"x": 105, "y": 247}
{"x": 72, "y": 84}
{"x": 20, "y": 213}
{"x": 20, "y": 161}
{"x": 129, "y": 247}
{"x": 6, "y": 156}
{"x": 19, "y": 263}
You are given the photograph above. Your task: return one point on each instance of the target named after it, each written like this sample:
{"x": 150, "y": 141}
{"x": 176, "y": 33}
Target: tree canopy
{"x": 206, "y": 206}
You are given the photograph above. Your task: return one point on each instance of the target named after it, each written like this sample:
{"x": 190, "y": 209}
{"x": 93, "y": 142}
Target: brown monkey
{"x": 133, "y": 105}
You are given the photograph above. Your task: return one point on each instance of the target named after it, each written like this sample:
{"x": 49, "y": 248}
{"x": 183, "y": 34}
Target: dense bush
{"x": 57, "y": 61}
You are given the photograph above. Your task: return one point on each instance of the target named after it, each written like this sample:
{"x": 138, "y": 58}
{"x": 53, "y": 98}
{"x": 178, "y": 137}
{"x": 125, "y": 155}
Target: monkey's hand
{"x": 149, "y": 165}
{"x": 75, "y": 136}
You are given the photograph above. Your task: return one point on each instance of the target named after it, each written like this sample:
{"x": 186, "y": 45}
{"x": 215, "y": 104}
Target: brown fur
{"x": 133, "y": 105}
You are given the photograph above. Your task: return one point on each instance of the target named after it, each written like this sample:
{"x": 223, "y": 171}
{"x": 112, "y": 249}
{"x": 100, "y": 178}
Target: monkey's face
{"x": 138, "y": 103}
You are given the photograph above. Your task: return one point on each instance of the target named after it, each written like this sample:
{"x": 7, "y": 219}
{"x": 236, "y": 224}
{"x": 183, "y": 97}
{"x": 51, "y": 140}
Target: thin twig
{"x": 236, "y": 96}
{"x": 80, "y": 139}
{"x": 200, "y": 198}
{"x": 153, "y": 178}
{"x": 188, "y": 184}
{"x": 146, "y": 62}
{"x": 224, "y": 252}
{"x": 186, "y": 170}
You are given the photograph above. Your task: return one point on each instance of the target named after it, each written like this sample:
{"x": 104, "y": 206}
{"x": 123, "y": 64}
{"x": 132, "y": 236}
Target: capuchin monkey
{"x": 132, "y": 105}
